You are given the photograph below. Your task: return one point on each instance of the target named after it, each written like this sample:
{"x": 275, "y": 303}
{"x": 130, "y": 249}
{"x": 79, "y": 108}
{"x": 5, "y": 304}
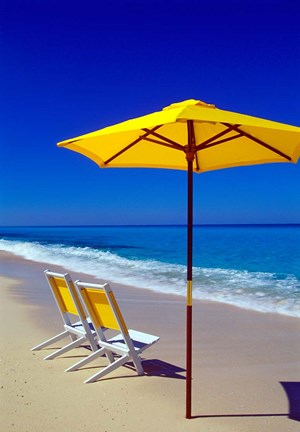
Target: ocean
{"x": 250, "y": 266}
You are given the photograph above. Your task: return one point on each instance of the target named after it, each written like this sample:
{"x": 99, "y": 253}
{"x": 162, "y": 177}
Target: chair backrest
{"x": 102, "y": 307}
{"x": 65, "y": 295}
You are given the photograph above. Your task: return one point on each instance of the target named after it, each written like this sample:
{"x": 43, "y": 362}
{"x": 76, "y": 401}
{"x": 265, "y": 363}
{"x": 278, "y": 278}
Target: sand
{"x": 246, "y": 366}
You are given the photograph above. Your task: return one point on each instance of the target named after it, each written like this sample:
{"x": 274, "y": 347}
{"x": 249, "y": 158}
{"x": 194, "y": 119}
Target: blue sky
{"x": 70, "y": 67}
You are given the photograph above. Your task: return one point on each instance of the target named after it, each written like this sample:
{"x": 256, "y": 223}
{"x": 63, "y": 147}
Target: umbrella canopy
{"x": 221, "y": 139}
{"x": 193, "y": 136}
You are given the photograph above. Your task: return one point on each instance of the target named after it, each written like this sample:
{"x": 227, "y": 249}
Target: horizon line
{"x": 152, "y": 225}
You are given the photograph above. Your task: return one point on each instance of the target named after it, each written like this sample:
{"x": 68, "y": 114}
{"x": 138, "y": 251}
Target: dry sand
{"x": 246, "y": 366}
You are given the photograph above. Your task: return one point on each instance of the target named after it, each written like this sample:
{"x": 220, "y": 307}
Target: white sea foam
{"x": 265, "y": 292}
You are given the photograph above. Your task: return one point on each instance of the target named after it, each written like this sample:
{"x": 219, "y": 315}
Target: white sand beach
{"x": 246, "y": 365}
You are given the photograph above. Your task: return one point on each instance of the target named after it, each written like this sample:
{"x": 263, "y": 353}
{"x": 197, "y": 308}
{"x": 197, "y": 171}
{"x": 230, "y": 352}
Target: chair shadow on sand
{"x": 292, "y": 390}
{"x": 155, "y": 367}
{"x": 159, "y": 368}
{"x": 152, "y": 367}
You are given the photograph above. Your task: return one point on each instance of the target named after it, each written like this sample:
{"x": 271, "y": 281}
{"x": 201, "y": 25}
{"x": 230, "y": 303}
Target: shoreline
{"x": 241, "y": 360}
{"x": 11, "y": 257}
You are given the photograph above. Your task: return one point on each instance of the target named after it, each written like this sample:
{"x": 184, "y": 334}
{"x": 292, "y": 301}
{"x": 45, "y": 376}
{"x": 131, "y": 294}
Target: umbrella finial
{"x": 189, "y": 102}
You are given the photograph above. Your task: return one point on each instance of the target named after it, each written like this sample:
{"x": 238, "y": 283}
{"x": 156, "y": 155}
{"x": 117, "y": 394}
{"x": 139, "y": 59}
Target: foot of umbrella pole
{"x": 189, "y": 362}
{"x": 188, "y": 414}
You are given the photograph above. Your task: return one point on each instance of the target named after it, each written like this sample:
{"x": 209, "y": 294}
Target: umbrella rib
{"x": 197, "y": 162}
{"x": 262, "y": 143}
{"x": 140, "y": 138}
{"x": 163, "y": 143}
{"x": 204, "y": 144}
{"x": 221, "y": 141}
{"x": 174, "y": 144}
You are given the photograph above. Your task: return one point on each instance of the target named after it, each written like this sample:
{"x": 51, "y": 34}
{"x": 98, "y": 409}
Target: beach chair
{"x": 75, "y": 321}
{"x": 125, "y": 346}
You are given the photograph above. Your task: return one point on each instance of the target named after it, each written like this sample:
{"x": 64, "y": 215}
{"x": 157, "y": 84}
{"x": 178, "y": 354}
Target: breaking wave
{"x": 260, "y": 291}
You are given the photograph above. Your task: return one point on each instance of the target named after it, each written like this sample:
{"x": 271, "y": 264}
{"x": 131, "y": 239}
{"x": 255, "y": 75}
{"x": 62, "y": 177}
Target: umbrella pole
{"x": 189, "y": 293}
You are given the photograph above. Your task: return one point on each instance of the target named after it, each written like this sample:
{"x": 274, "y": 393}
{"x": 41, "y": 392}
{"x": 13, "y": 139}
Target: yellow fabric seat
{"x": 75, "y": 321}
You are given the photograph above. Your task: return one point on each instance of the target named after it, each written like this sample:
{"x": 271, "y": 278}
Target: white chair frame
{"x": 79, "y": 331}
{"x": 126, "y": 346}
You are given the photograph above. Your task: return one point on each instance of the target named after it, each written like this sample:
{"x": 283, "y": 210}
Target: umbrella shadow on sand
{"x": 292, "y": 390}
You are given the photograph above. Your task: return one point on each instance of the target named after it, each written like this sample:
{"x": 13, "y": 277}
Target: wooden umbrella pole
{"x": 189, "y": 293}
{"x": 190, "y": 155}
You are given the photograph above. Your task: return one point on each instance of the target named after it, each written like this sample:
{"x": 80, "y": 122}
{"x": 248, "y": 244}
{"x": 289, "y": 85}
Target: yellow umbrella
{"x": 193, "y": 136}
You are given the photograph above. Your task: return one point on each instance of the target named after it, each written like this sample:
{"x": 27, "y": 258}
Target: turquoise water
{"x": 255, "y": 267}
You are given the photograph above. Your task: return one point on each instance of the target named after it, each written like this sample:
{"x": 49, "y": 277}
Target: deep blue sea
{"x": 252, "y": 266}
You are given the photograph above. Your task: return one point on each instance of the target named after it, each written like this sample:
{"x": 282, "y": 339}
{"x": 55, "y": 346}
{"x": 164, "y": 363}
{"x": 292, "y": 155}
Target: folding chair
{"x": 71, "y": 308}
{"x": 103, "y": 309}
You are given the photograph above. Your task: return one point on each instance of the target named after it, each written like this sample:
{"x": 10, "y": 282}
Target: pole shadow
{"x": 292, "y": 390}
{"x": 238, "y": 415}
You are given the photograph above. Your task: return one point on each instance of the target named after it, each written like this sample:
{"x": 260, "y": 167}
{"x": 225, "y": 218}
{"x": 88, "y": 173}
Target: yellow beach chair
{"x": 75, "y": 321}
{"x": 125, "y": 346}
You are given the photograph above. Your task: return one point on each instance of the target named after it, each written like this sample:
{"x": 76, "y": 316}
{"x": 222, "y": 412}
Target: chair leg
{"x": 111, "y": 367}
{"x": 66, "y": 348}
{"x": 138, "y": 364}
{"x": 50, "y": 341}
{"x": 94, "y": 345}
{"x": 86, "y": 360}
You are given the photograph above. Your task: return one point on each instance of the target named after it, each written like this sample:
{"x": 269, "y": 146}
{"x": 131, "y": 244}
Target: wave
{"x": 260, "y": 291}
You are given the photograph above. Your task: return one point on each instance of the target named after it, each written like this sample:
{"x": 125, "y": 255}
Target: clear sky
{"x": 71, "y": 67}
